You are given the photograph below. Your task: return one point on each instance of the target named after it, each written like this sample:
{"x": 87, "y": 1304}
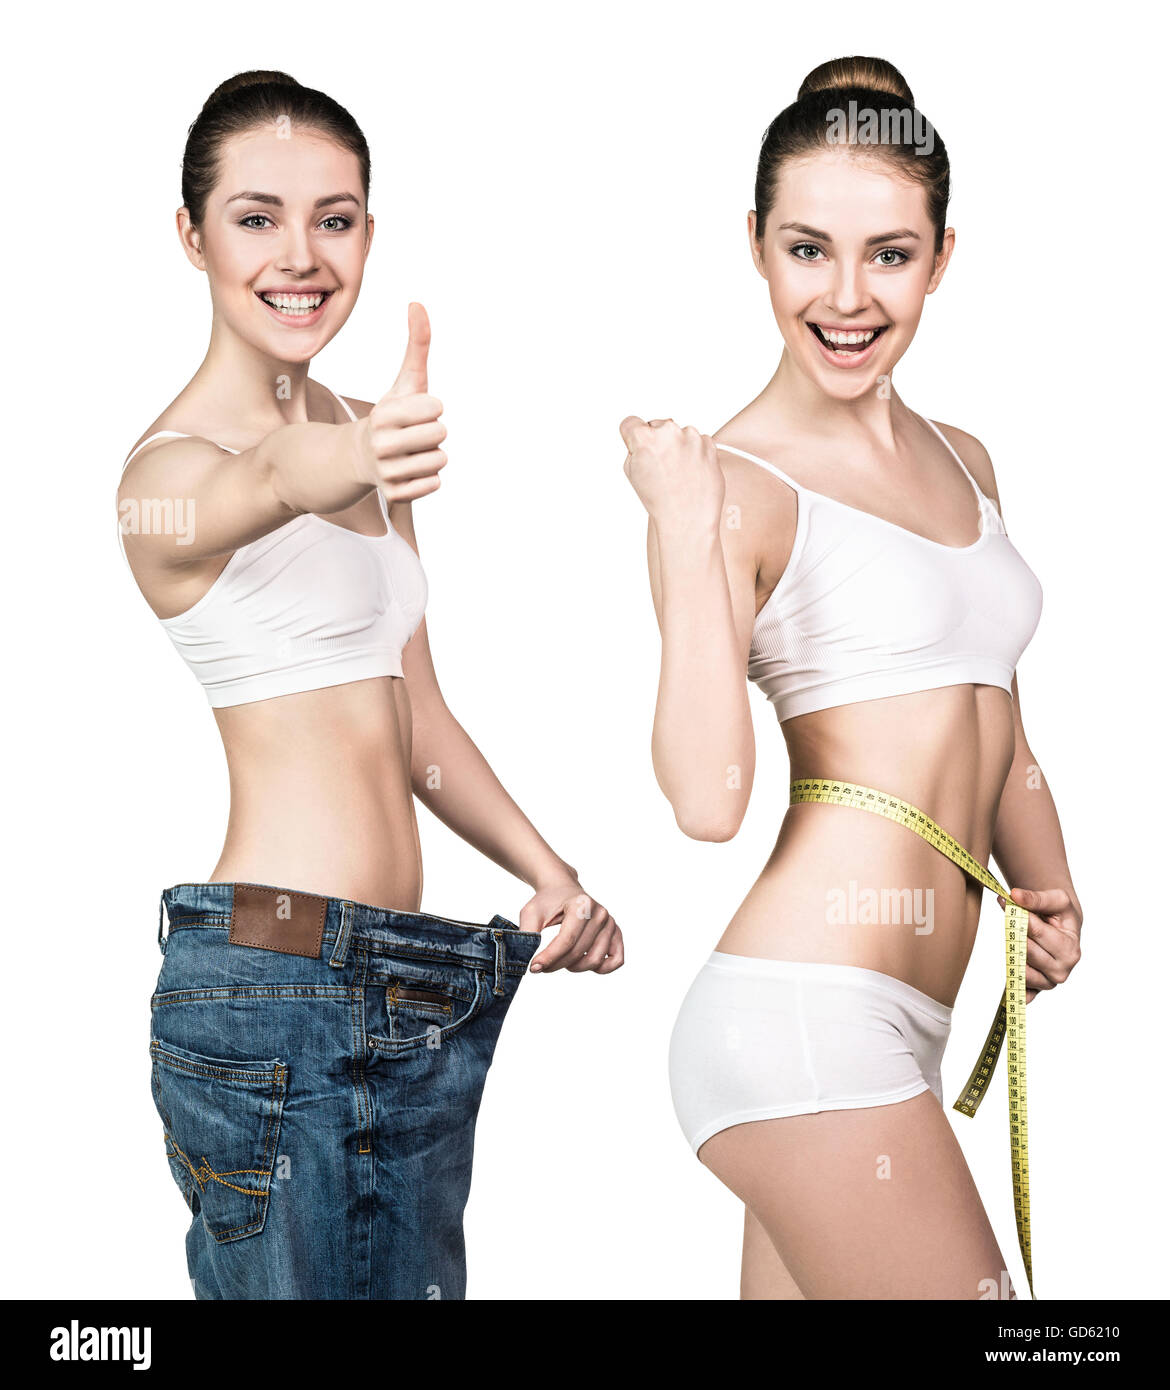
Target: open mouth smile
{"x": 300, "y": 308}
{"x": 847, "y": 347}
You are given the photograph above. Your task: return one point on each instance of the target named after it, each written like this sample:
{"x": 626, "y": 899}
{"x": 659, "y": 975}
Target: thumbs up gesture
{"x": 399, "y": 442}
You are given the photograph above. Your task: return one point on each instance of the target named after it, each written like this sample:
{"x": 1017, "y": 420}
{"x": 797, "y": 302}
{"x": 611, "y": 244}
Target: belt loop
{"x": 498, "y": 983}
{"x": 162, "y": 940}
{"x": 344, "y": 932}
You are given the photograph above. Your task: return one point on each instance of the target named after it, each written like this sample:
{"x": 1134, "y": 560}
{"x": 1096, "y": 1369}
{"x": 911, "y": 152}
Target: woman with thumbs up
{"x": 318, "y": 1043}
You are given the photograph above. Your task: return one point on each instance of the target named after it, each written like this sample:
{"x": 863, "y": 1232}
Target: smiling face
{"x": 284, "y": 240}
{"x": 848, "y": 253}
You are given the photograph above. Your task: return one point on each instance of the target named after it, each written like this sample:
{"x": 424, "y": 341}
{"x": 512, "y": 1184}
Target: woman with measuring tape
{"x": 850, "y": 558}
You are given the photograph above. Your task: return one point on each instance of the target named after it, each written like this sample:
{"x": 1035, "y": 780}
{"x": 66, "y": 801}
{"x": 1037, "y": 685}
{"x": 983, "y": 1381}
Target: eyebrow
{"x": 273, "y": 201}
{"x": 901, "y": 234}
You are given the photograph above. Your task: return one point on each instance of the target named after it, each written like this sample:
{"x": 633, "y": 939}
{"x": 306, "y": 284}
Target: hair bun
{"x": 249, "y": 79}
{"x": 868, "y": 74}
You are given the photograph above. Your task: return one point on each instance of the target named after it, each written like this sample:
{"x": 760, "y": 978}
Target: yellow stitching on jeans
{"x": 205, "y": 1171}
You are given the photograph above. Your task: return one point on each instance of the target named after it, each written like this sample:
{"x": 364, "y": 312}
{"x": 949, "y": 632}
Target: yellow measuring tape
{"x": 1009, "y": 1022}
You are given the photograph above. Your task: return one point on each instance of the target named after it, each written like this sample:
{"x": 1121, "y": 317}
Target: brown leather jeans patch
{"x": 276, "y": 919}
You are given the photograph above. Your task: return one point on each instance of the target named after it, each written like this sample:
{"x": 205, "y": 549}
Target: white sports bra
{"x": 866, "y": 608}
{"x": 310, "y": 604}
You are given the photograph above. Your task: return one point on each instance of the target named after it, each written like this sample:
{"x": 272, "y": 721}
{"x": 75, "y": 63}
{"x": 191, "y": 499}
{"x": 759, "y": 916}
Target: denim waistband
{"x": 498, "y": 943}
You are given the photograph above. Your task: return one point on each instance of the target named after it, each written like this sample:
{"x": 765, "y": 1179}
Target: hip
{"x": 259, "y": 972}
{"x": 317, "y": 1065}
{"x": 763, "y": 1039}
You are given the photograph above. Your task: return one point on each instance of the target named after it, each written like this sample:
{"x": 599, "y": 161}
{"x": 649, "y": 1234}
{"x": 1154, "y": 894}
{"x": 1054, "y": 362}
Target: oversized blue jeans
{"x": 319, "y": 1099}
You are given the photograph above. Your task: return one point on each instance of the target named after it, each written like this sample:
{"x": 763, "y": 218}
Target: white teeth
{"x": 847, "y": 339}
{"x": 294, "y": 304}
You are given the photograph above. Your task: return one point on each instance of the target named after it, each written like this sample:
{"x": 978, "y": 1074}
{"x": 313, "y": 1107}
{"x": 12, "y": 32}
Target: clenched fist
{"x": 398, "y": 441}
{"x": 675, "y": 471}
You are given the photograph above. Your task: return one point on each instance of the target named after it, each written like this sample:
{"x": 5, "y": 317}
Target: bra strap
{"x": 178, "y": 434}
{"x": 771, "y": 467}
{"x": 150, "y": 438}
{"x": 955, "y": 455}
{"x": 159, "y": 434}
{"x": 343, "y": 403}
{"x": 381, "y": 499}
{"x": 172, "y": 434}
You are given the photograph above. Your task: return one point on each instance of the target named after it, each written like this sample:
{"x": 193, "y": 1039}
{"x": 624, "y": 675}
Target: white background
{"x": 567, "y": 195}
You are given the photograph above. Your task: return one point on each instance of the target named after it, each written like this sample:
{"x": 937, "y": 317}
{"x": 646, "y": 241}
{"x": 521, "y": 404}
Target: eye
{"x": 801, "y": 247}
{"x": 891, "y": 251}
{"x": 342, "y": 222}
{"x": 252, "y": 218}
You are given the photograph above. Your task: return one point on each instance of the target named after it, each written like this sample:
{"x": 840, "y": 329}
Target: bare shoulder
{"x": 760, "y": 514}
{"x": 975, "y": 456}
{"x": 748, "y": 475}
{"x": 168, "y": 465}
{"x": 757, "y": 504}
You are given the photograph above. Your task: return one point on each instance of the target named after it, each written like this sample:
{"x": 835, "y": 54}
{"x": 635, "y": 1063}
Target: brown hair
{"x": 805, "y": 126}
{"x": 259, "y": 98}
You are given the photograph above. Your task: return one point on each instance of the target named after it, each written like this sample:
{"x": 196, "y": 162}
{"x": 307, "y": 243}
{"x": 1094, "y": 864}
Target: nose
{"x": 295, "y": 255}
{"x": 848, "y": 294}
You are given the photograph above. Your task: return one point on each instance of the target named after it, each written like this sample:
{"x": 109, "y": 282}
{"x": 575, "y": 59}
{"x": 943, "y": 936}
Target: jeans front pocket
{"x": 420, "y": 1003}
{"x": 222, "y": 1123}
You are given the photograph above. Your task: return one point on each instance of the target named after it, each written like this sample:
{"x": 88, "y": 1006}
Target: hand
{"x": 675, "y": 471}
{"x": 398, "y": 441}
{"x": 1054, "y": 937}
{"x": 589, "y": 938}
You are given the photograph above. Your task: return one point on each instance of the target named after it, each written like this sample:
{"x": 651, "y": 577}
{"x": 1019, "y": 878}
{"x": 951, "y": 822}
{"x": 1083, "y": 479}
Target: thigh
{"x": 875, "y": 1202}
{"x": 254, "y": 1080}
{"x": 764, "y": 1274}
{"x": 431, "y": 1029}
{"x": 259, "y": 1114}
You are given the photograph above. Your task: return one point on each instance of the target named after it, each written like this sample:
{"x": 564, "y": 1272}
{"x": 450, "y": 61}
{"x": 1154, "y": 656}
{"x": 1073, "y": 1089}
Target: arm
{"x": 312, "y": 467}
{"x": 1029, "y": 848}
{"x": 1028, "y": 844}
{"x": 702, "y": 578}
{"x": 237, "y": 498}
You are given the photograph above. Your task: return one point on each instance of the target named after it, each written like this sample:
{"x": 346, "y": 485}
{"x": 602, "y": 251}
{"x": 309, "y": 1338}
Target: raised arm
{"x": 232, "y": 499}
{"x": 702, "y": 578}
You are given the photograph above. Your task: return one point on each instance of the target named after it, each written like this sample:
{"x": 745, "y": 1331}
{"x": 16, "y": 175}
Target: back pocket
{"x": 222, "y": 1123}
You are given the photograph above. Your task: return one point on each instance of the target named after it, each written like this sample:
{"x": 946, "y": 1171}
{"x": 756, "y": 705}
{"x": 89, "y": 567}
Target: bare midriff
{"x": 321, "y": 797}
{"x": 846, "y": 887}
